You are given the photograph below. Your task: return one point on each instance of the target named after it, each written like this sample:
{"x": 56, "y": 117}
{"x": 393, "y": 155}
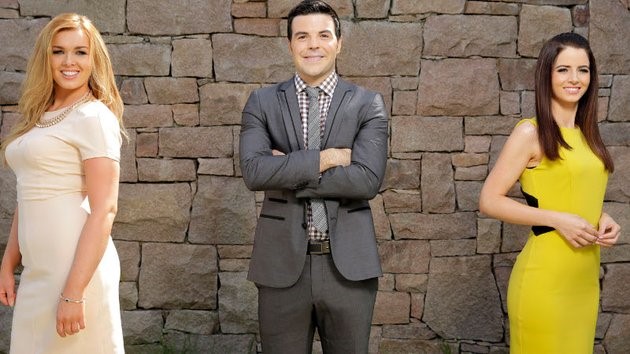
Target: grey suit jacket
{"x": 356, "y": 119}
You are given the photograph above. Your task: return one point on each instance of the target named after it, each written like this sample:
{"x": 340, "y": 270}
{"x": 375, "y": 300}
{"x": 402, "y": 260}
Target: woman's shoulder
{"x": 525, "y": 138}
{"x": 527, "y": 122}
{"x": 96, "y": 108}
{"x": 96, "y": 116}
{"x": 527, "y": 127}
{"x": 96, "y": 112}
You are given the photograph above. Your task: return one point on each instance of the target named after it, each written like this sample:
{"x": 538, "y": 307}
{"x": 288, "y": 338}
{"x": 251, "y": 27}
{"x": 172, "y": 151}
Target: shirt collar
{"x": 328, "y": 85}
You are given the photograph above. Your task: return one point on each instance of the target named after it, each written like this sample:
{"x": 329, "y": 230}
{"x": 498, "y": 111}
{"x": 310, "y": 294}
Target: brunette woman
{"x": 563, "y": 167}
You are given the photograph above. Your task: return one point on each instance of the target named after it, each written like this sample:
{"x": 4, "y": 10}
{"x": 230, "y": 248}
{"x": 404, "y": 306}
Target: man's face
{"x": 314, "y": 47}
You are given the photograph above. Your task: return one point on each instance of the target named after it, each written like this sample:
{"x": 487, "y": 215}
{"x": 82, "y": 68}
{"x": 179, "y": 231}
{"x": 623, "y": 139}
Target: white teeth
{"x": 70, "y": 73}
{"x": 572, "y": 89}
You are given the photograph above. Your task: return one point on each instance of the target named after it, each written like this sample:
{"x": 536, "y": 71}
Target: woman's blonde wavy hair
{"x": 37, "y": 88}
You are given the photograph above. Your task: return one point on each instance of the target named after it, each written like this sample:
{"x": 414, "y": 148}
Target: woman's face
{"x": 570, "y": 76}
{"x": 71, "y": 62}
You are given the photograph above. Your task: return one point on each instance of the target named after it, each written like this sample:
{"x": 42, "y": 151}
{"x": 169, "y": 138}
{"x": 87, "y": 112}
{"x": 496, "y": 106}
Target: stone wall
{"x": 456, "y": 76}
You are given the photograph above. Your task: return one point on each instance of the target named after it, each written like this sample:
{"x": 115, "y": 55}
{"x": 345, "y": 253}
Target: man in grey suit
{"x": 317, "y": 146}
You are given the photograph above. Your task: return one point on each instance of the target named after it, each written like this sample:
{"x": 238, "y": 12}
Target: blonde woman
{"x": 65, "y": 153}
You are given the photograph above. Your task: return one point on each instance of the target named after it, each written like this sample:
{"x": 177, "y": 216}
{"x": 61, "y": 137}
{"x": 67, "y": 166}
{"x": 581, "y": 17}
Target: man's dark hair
{"x": 309, "y": 7}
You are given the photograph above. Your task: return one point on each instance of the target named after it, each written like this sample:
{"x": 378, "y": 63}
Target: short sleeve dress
{"x": 553, "y": 292}
{"x": 52, "y": 209}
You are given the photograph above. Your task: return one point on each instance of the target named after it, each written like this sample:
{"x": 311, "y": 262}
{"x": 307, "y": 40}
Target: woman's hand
{"x": 11, "y": 259}
{"x": 101, "y": 179}
{"x": 70, "y": 317}
{"x": 7, "y": 288}
{"x": 575, "y": 229}
{"x": 609, "y": 231}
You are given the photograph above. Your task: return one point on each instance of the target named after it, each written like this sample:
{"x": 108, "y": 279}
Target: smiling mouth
{"x": 572, "y": 90}
{"x": 313, "y": 58}
{"x": 70, "y": 74}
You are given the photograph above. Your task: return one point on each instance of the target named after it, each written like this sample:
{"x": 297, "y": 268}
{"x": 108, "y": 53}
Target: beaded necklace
{"x": 61, "y": 116}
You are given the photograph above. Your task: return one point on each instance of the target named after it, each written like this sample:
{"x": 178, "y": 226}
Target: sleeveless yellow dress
{"x": 553, "y": 292}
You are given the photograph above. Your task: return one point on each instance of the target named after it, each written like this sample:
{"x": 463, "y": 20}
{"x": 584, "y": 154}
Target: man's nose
{"x": 313, "y": 42}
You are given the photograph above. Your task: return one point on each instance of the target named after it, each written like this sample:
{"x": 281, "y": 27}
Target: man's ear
{"x": 339, "y": 40}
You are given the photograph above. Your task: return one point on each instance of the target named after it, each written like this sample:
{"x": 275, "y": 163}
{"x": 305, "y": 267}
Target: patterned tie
{"x": 314, "y": 141}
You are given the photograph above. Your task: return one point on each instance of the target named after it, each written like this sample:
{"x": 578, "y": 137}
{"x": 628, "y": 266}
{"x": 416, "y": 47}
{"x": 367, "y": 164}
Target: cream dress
{"x": 53, "y": 208}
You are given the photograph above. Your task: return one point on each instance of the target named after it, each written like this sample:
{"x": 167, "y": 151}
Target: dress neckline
{"x": 567, "y": 129}
{"x": 55, "y": 111}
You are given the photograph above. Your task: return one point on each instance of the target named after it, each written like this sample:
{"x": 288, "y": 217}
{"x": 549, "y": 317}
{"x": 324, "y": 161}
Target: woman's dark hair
{"x": 308, "y": 7}
{"x": 586, "y": 117}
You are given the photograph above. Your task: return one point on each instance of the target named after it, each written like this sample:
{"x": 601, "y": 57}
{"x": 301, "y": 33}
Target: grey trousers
{"x": 340, "y": 309}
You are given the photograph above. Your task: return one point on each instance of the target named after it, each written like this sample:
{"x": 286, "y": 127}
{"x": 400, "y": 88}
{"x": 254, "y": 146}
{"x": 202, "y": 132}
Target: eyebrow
{"x": 566, "y": 66}
{"x": 320, "y": 32}
{"x": 62, "y": 47}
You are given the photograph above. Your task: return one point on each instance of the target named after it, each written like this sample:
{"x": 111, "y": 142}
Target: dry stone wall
{"x": 456, "y": 76}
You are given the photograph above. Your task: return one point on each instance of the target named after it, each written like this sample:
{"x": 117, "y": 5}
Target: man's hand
{"x": 334, "y": 157}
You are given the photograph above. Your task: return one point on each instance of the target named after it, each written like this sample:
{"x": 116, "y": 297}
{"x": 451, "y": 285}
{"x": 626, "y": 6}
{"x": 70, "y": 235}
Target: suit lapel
{"x": 343, "y": 92}
{"x": 291, "y": 114}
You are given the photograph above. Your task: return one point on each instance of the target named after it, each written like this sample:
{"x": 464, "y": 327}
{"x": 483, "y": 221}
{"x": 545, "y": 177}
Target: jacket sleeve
{"x": 261, "y": 170}
{"x": 363, "y": 177}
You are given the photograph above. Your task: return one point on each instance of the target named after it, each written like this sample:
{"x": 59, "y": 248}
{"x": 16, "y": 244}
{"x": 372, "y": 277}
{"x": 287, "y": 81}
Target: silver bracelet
{"x": 65, "y": 299}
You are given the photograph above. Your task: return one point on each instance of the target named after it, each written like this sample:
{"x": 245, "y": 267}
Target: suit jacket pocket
{"x": 274, "y": 217}
{"x": 354, "y": 210}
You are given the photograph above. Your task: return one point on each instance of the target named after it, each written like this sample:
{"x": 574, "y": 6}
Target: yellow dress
{"x": 553, "y": 292}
